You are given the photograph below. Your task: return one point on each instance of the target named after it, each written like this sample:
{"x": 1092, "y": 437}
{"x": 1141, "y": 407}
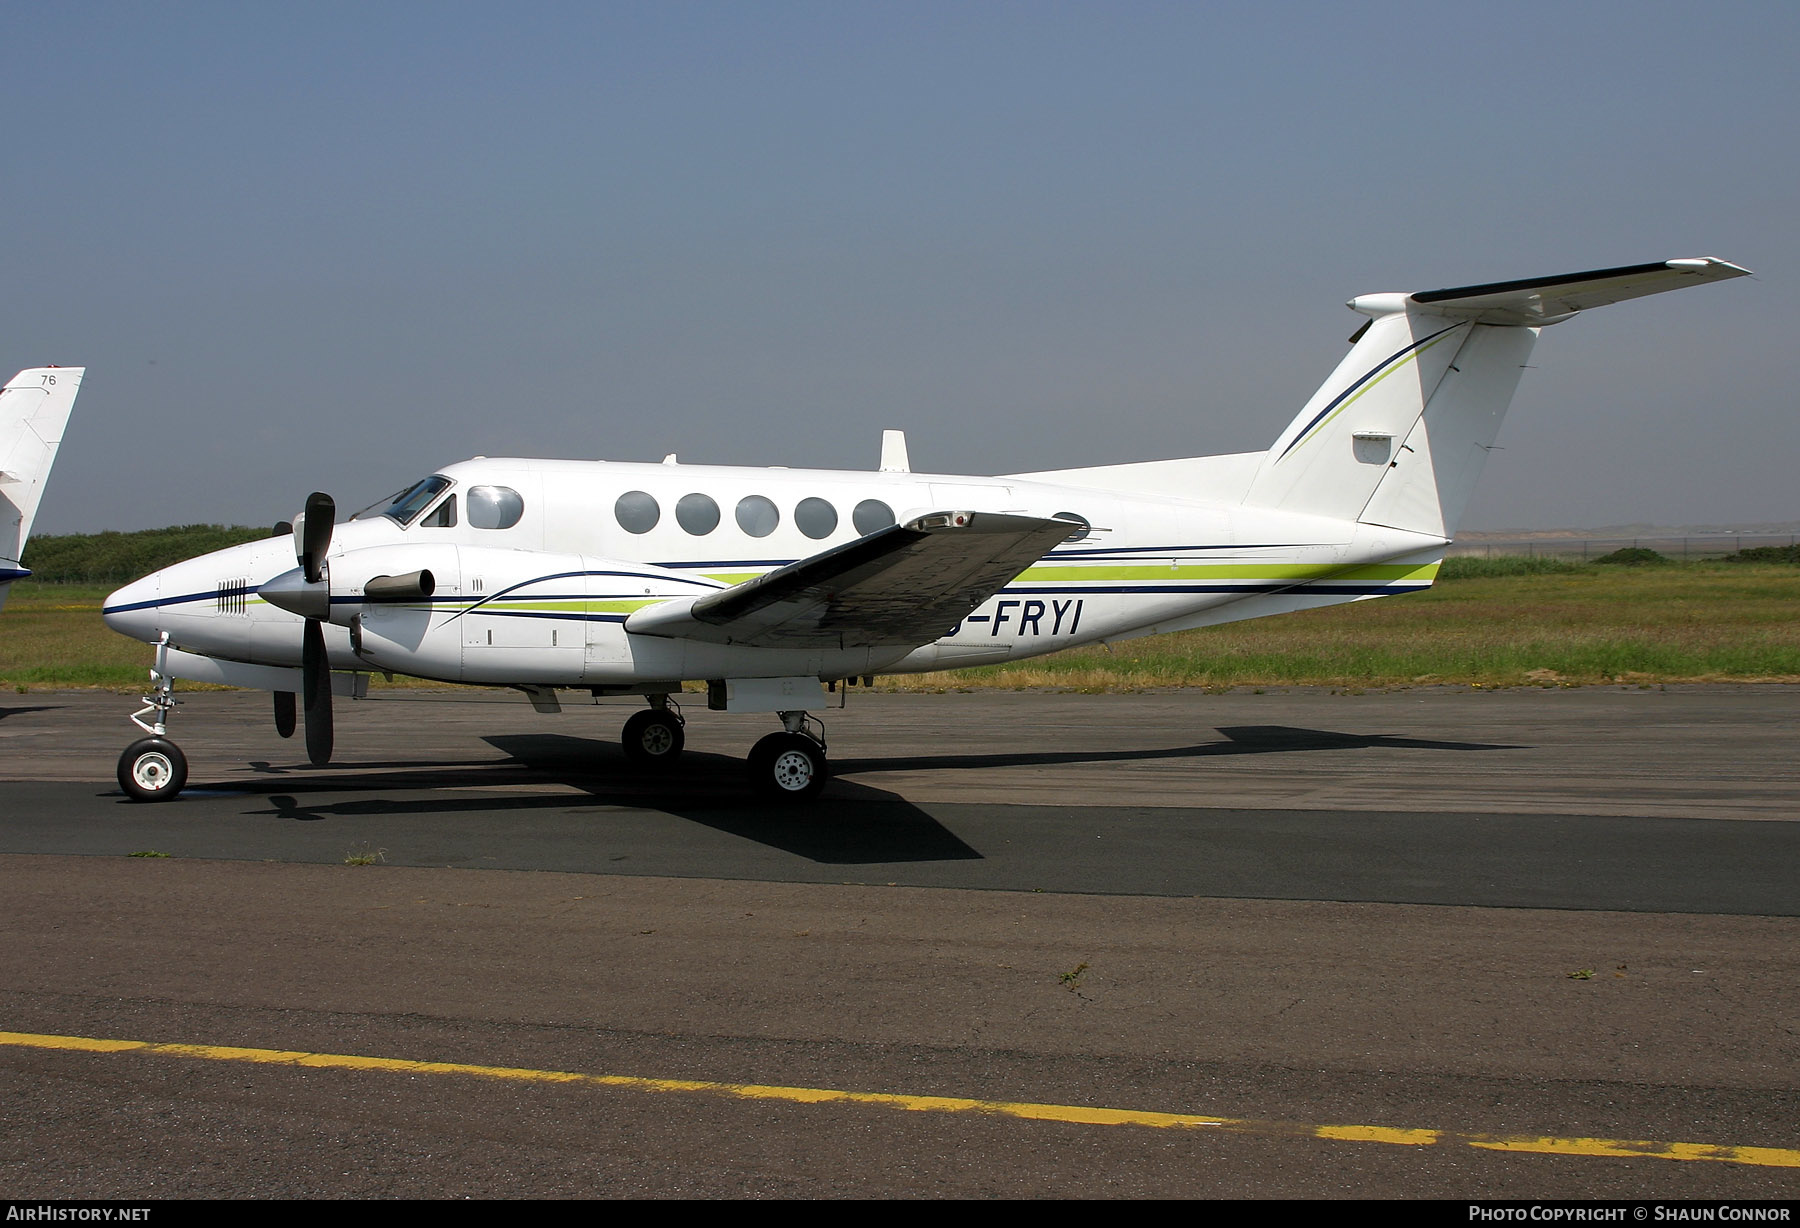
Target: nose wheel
{"x": 152, "y": 770}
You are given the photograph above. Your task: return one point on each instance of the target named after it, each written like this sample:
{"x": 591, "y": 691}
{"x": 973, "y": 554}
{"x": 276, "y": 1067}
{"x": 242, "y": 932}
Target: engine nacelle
{"x": 493, "y": 616}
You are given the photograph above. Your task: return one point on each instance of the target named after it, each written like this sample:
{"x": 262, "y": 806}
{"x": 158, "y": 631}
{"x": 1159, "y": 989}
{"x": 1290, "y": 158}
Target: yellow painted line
{"x": 1380, "y": 1134}
{"x": 1764, "y": 1157}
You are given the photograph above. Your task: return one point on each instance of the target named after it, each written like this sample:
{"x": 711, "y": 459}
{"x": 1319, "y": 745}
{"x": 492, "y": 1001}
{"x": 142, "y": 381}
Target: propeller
{"x": 284, "y": 700}
{"x": 307, "y": 592}
{"x": 312, "y": 535}
{"x": 315, "y": 694}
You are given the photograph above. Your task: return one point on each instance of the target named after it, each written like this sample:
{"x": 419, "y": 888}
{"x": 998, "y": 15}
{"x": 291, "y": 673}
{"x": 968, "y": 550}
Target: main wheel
{"x": 653, "y": 738}
{"x": 152, "y": 770}
{"x": 789, "y": 766}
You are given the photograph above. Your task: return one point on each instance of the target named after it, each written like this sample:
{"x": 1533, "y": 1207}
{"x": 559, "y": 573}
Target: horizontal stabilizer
{"x": 904, "y": 585}
{"x": 1545, "y": 300}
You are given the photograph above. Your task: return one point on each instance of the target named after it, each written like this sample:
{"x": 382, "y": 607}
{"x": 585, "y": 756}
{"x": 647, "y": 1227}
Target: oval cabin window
{"x": 698, "y": 514}
{"x": 870, "y": 515}
{"x": 816, "y": 518}
{"x": 637, "y": 511}
{"x": 757, "y": 516}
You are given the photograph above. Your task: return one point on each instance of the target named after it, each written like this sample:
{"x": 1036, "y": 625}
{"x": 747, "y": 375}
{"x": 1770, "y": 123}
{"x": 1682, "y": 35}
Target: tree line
{"x": 118, "y": 558}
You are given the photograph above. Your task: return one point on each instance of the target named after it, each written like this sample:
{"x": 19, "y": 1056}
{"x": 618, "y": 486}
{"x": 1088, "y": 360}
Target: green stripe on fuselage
{"x": 1239, "y": 571}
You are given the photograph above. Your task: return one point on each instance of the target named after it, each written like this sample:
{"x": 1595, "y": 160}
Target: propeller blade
{"x": 312, "y": 536}
{"x": 315, "y": 670}
{"x": 284, "y": 713}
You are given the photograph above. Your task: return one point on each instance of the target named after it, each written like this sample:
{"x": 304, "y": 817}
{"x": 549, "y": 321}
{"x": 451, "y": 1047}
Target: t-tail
{"x": 1398, "y": 435}
{"x": 34, "y": 409}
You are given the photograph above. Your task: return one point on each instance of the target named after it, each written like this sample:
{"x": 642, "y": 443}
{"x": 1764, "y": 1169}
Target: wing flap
{"x": 903, "y": 585}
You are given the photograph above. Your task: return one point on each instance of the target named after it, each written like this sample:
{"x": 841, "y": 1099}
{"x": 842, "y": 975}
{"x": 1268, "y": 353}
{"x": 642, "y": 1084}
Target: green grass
{"x": 1487, "y": 622}
{"x": 1698, "y": 622}
{"x": 51, "y": 636}
{"x": 1475, "y": 567}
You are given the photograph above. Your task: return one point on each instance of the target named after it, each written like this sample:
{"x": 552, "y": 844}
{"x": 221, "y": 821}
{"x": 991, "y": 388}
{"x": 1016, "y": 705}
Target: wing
{"x": 903, "y": 585}
{"x": 1544, "y": 300}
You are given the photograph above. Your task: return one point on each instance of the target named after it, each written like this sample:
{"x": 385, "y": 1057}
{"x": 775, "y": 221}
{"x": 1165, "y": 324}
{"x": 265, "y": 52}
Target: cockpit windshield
{"x": 404, "y": 507}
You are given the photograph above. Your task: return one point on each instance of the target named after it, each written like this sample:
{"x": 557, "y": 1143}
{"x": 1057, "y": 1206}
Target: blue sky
{"x": 333, "y": 247}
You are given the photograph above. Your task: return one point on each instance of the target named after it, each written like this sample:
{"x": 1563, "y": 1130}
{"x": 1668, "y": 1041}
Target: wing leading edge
{"x": 905, "y": 585}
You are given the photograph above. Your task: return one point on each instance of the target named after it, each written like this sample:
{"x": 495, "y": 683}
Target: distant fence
{"x": 1698, "y": 546}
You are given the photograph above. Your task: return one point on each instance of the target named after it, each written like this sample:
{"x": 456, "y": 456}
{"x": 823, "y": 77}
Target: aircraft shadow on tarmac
{"x": 6, "y": 712}
{"x": 709, "y": 789}
{"x": 1241, "y": 740}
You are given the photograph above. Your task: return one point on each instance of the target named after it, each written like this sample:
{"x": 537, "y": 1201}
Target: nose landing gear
{"x": 153, "y": 769}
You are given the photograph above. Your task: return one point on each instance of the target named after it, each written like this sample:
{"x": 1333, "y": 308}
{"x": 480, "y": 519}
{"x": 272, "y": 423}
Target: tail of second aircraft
{"x": 1399, "y": 433}
{"x": 34, "y": 409}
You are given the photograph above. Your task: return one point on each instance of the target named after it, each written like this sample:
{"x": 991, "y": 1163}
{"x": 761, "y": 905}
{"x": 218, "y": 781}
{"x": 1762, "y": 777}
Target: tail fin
{"x": 1399, "y": 433}
{"x": 34, "y": 408}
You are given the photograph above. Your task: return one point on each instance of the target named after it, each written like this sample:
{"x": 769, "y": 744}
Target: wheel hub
{"x": 793, "y": 770}
{"x": 152, "y": 771}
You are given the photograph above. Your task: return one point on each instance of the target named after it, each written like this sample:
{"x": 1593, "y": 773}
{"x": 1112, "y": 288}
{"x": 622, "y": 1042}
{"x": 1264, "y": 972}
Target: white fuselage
{"x": 543, "y": 601}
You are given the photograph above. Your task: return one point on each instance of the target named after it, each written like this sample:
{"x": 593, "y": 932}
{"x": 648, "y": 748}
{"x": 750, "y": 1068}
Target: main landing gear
{"x": 153, "y": 769}
{"x": 654, "y": 737}
{"x": 790, "y": 765}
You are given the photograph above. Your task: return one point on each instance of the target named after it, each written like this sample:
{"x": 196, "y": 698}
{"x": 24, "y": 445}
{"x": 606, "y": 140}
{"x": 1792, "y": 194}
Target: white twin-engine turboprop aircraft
{"x": 767, "y": 584}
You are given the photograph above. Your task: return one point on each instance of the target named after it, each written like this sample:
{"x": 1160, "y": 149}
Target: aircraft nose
{"x": 133, "y": 609}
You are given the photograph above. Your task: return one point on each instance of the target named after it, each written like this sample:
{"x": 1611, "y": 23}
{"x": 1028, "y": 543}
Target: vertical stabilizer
{"x": 1399, "y": 433}
{"x": 1337, "y": 450}
{"x": 34, "y": 409}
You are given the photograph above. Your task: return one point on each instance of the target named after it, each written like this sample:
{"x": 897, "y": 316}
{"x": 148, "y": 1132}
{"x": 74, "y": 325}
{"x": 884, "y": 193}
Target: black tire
{"x": 653, "y": 738}
{"x": 789, "y": 767}
{"x": 152, "y": 770}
